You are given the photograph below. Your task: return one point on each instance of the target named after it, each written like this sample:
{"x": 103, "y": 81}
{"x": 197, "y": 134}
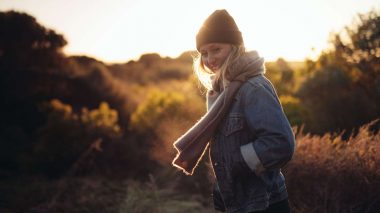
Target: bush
{"x": 156, "y": 106}
{"x": 66, "y": 135}
{"x": 293, "y": 109}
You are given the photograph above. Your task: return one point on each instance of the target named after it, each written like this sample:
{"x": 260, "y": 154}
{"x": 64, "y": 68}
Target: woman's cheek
{"x": 204, "y": 61}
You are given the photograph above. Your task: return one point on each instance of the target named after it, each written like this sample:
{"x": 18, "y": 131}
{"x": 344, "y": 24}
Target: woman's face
{"x": 214, "y": 54}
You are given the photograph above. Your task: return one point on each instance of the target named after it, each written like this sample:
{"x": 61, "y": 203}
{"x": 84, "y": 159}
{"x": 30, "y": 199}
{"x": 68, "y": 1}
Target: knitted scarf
{"x": 192, "y": 145}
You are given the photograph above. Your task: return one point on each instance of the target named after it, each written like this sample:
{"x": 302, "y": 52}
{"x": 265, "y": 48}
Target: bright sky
{"x": 122, "y": 30}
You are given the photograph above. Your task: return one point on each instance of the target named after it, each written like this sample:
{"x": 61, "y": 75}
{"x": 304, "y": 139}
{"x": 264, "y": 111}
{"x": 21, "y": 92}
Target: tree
{"x": 342, "y": 91}
{"x": 149, "y": 59}
{"x": 30, "y": 60}
{"x": 361, "y": 50}
{"x": 30, "y": 66}
{"x": 24, "y": 43}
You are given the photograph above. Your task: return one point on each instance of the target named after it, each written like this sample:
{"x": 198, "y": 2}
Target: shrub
{"x": 156, "y": 106}
{"x": 67, "y": 134}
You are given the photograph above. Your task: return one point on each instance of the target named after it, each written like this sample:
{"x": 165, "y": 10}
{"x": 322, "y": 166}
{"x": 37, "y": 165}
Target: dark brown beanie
{"x": 219, "y": 27}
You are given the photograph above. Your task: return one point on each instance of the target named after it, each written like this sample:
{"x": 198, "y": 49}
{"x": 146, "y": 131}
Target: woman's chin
{"x": 214, "y": 69}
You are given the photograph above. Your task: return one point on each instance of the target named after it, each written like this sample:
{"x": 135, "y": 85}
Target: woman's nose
{"x": 211, "y": 61}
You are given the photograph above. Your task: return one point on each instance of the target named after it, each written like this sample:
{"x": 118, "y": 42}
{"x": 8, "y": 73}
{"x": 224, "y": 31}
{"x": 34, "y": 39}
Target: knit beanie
{"x": 219, "y": 27}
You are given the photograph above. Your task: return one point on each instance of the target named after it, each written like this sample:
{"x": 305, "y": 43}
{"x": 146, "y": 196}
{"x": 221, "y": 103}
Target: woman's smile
{"x": 214, "y": 54}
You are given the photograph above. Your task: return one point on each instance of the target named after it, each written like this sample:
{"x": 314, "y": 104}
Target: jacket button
{"x": 216, "y": 163}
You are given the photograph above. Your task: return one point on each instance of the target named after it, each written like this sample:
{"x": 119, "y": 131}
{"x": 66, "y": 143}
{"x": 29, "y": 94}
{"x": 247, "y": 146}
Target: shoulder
{"x": 258, "y": 91}
{"x": 259, "y": 82}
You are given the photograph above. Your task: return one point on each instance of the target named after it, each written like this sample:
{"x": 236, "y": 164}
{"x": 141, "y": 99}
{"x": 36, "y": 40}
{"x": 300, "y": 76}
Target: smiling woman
{"x": 249, "y": 136}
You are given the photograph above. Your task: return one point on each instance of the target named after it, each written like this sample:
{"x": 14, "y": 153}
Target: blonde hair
{"x": 205, "y": 75}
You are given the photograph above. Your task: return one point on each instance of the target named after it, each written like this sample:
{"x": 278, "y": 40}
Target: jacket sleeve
{"x": 274, "y": 140}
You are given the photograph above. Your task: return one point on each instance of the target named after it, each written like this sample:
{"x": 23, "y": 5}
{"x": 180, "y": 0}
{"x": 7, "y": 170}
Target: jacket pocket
{"x": 234, "y": 123}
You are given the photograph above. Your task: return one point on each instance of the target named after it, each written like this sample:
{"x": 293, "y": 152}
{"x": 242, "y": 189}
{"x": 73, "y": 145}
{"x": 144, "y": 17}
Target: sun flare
{"x": 124, "y": 30}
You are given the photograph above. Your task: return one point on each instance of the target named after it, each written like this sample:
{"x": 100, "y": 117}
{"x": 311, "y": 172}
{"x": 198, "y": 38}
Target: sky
{"x": 117, "y": 31}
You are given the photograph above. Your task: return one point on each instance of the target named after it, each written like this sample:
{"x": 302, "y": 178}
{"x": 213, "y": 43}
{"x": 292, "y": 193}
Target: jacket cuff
{"x": 250, "y": 157}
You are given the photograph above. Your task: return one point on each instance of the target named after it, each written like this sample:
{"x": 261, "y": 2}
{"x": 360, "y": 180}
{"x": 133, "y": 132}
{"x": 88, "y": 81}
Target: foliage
{"x": 328, "y": 174}
{"x": 96, "y": 194}
{"x": 30, "y": 61}
{"x": 362, "y": 52}
{"x": 293, "y": 109}
{"x": 73, "y": 117}
{"x": 285, "y": 82}
{"x": 150, "y": 70}
{"x": 342, "y": 89}
{"x": 102, "y": 118}
{"x": 360, "y": 42}
{"x": 334, "y": 103}
{"x": 150, "y": 58}
{"x": 24, "y": 43}
{"x": 149, "y": 197}
{"x": 69, "y": 194}
{"x": 157, "y": 106}
{"x": 66, "y": 135}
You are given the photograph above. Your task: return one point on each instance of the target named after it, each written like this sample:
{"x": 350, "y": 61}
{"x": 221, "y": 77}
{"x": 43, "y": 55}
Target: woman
{"x": 249, "y": 135}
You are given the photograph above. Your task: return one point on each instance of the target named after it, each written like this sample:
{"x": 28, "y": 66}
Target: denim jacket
{"x": 250, "y": 146}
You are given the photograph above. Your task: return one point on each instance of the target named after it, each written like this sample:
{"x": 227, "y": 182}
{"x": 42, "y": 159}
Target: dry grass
{"x": 328, "y": 174}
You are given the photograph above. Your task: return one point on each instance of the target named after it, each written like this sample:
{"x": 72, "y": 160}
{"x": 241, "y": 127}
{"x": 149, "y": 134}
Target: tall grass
{"x": 328, "y": 174}
{"x": 150, "y": 197}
